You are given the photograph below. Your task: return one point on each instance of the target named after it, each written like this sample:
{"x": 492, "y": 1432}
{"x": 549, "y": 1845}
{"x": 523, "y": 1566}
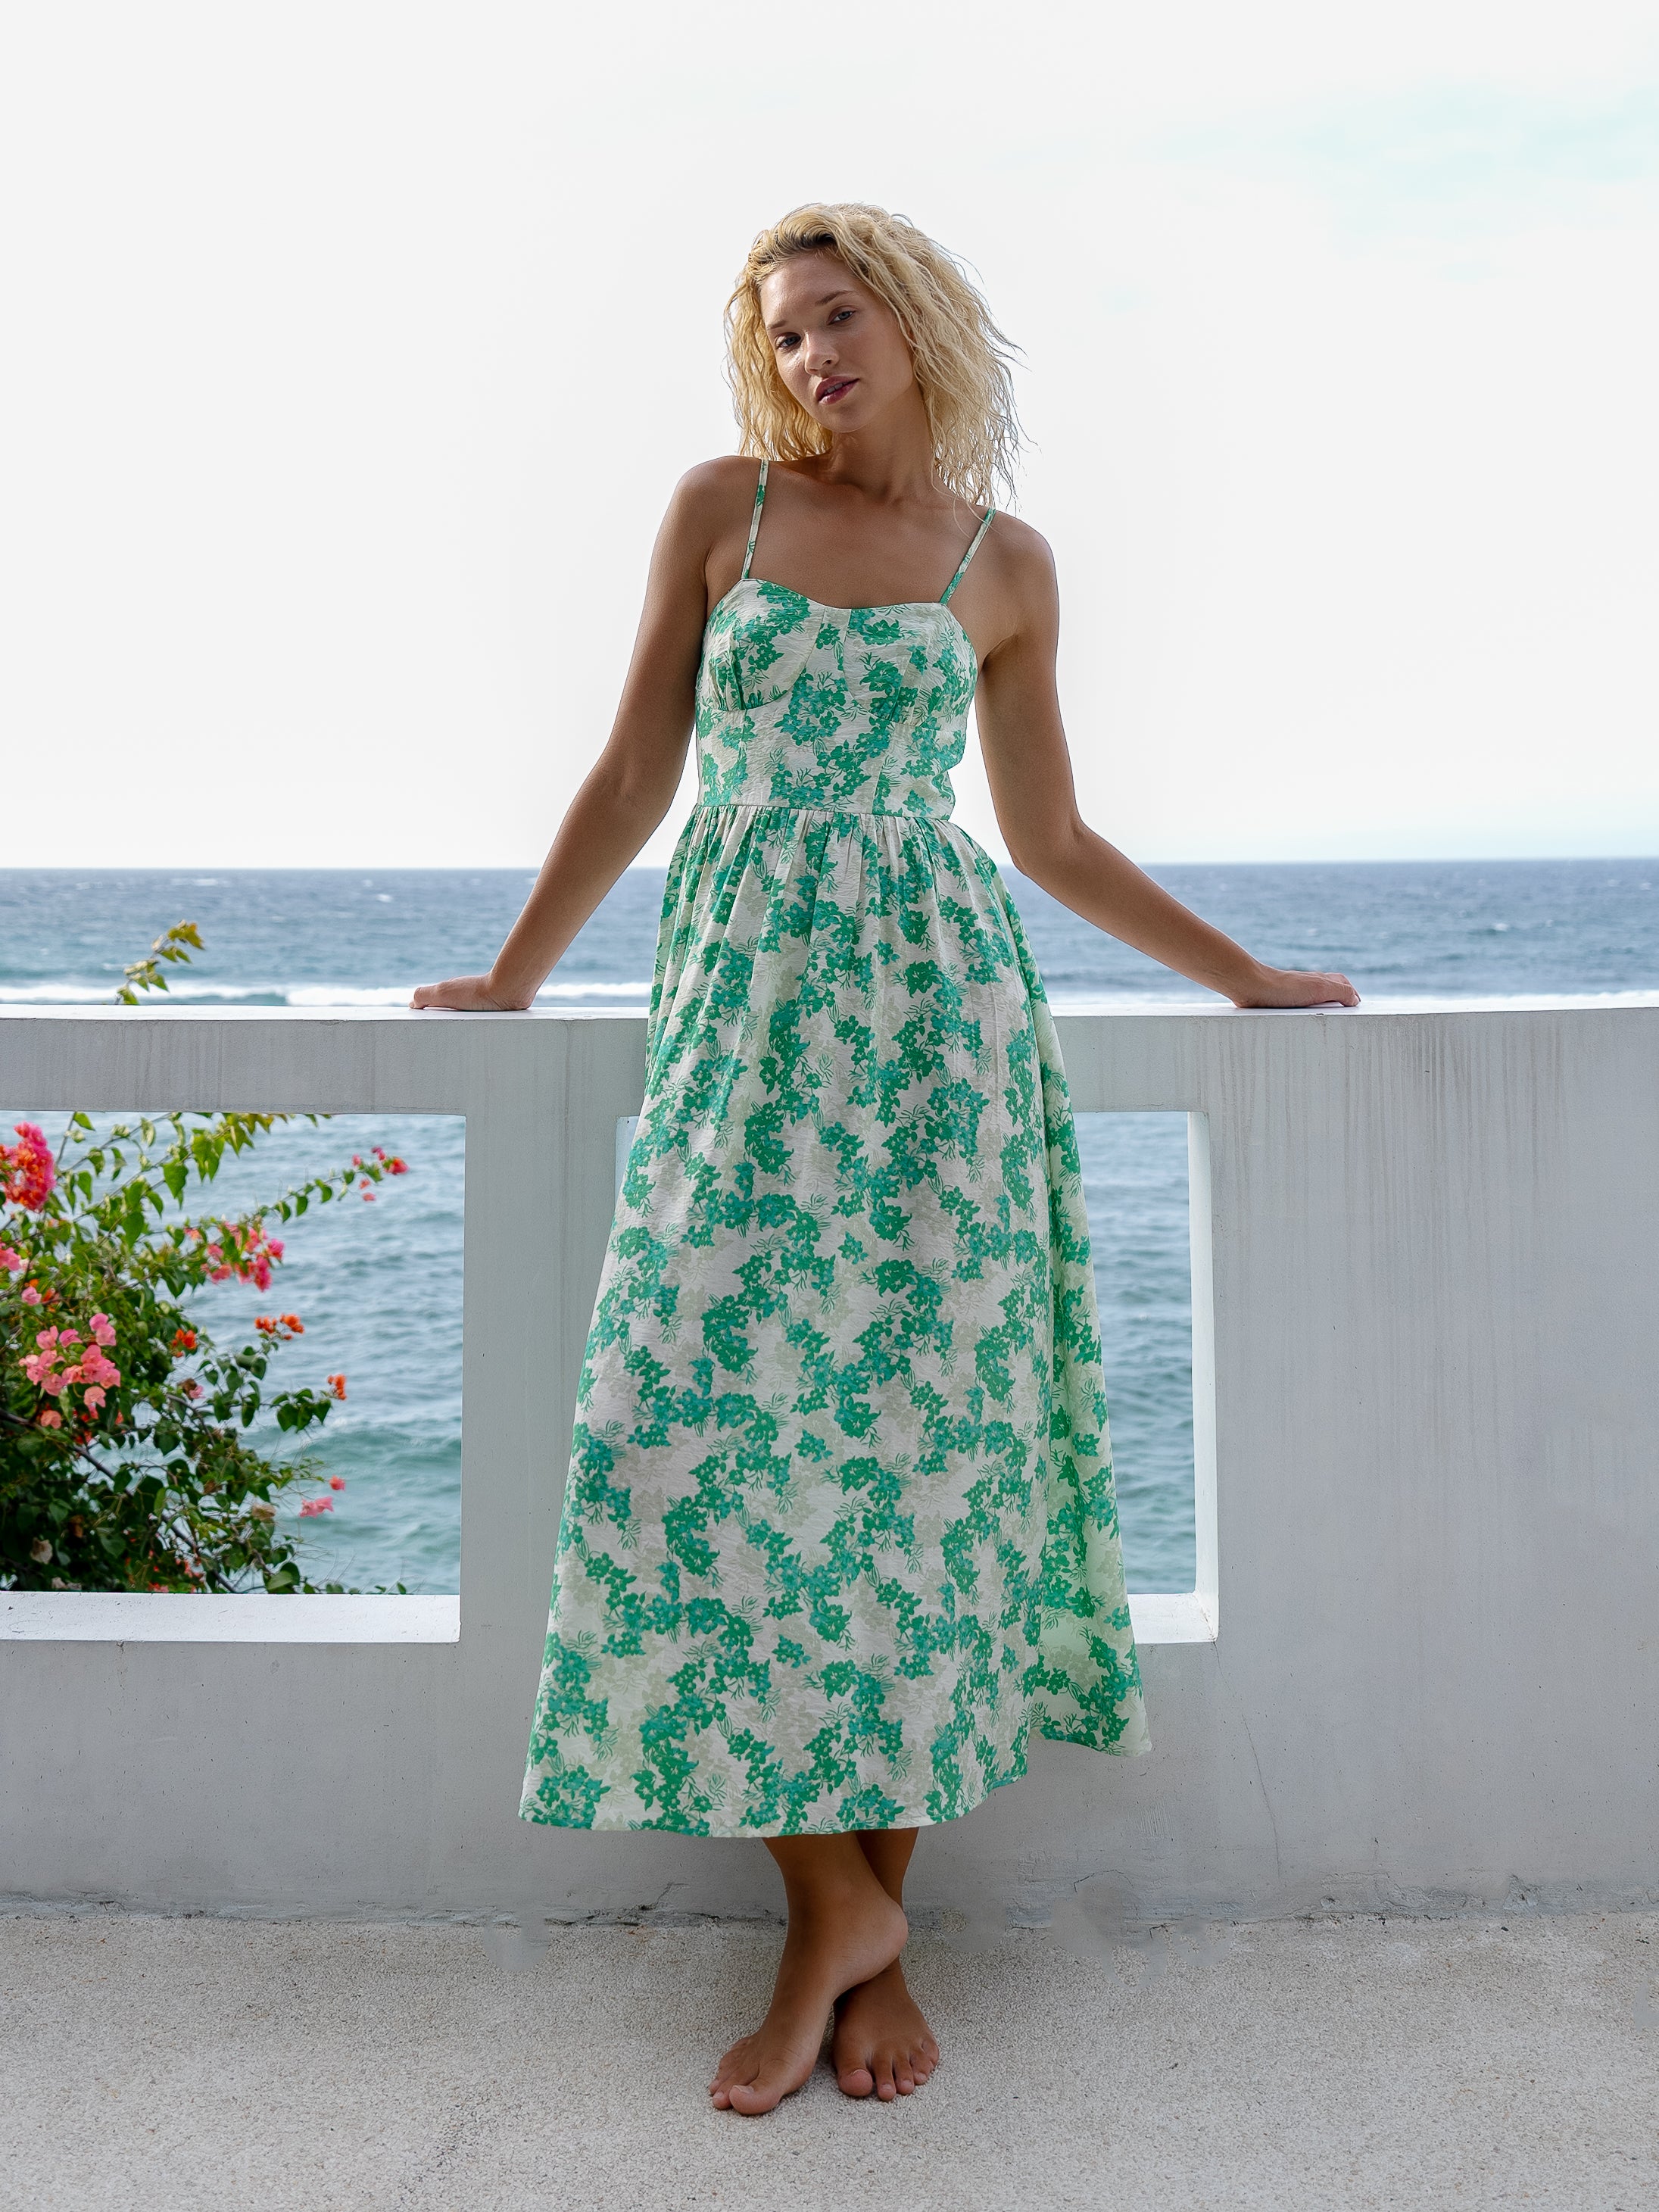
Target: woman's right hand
{"x": 463, "y": 994}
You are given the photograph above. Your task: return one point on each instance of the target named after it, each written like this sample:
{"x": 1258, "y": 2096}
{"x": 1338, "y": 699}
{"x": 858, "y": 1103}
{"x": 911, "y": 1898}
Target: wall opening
{"x": 374, "y": 1276}
{"x": 1147, "y": 1186}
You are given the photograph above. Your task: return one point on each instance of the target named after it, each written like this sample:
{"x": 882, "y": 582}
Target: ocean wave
{"x": 1376, "y": 1002}
{"x": 58, "y": 993}
{"x": 55, "y": 994}
{"x": 345, "y": 994}
{"x": 200, "y": 992}
{"x": 594, "y": 990}
{"x": 399, "y": 994}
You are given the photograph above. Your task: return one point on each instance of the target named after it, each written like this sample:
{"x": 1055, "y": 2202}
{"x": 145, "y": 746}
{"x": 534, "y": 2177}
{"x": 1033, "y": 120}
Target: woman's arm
{"x": 632, "y": 784}
{"x": 1029, "y": 769}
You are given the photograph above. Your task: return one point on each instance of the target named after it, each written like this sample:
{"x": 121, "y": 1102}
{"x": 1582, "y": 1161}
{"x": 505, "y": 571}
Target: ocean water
{"x": 380, "y": 1285}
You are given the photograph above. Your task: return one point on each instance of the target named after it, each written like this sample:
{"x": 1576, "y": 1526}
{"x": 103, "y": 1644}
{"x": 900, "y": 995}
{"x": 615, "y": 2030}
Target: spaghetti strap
{"x": 946, "y": 599}
{"x": 754, "y": 523}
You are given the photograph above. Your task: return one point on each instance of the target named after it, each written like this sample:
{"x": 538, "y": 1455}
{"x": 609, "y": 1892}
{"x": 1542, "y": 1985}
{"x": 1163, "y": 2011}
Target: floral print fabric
{"x": 839, "y": 1529}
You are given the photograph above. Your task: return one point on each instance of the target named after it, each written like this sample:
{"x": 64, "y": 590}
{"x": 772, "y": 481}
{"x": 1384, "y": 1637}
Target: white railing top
{"x": 1067, "y": 1007}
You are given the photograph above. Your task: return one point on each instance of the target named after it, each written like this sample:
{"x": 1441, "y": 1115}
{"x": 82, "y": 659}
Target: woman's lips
{"x": 834, "y": 388}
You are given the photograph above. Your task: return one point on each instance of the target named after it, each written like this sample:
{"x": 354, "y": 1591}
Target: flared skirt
{"x": 838, "y": 1532}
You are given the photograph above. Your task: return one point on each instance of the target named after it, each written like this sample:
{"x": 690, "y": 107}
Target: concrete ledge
{"x": 1185, "y": 1618}
{"x": 172, "y": 1617}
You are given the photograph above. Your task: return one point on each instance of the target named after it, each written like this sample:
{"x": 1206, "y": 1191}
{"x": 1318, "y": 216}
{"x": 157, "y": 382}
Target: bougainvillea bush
{"x": 128, "y": 1458}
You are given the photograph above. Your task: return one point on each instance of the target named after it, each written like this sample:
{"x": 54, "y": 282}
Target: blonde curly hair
{"x": 963, "y": 360}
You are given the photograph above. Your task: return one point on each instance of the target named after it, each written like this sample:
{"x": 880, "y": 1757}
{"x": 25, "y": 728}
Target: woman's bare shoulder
{"x": 712, "y": 490}
{"x": 1021, "y": 565}
{"x": 1026, "y": 551}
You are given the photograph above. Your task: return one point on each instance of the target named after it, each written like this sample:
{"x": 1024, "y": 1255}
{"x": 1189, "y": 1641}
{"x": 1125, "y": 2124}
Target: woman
{"x": 839, "y": 1530}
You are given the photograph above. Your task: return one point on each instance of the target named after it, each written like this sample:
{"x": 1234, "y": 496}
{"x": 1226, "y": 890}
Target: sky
{"x": 355, "y": 349}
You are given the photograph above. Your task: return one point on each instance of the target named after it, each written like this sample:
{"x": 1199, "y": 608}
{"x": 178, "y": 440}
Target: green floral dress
{"x": 839, "y": 1529}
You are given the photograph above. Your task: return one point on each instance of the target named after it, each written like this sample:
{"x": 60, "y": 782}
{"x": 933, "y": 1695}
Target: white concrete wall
{"x": 1428, "y": 1533}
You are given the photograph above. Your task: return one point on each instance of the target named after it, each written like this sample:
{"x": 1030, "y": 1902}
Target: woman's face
{"x": 838, "y": 345}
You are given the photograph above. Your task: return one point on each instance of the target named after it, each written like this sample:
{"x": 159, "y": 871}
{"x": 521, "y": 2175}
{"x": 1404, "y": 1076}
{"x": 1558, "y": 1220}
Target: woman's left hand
{"x": 1296, "y": 986}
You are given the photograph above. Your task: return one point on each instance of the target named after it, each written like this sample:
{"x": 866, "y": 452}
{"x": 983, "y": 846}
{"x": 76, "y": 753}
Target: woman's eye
{"x": 839, "y": 313}
{"x": 785, "y": 344}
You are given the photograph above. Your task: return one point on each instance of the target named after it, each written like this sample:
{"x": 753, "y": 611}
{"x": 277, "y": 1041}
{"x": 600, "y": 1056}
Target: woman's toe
{"x": 856, "y": 2081}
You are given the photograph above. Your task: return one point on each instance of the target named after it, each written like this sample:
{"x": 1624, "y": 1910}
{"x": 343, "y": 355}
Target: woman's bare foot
{"x": 844, "y": 1928}
{"x": 883, "y": 2046}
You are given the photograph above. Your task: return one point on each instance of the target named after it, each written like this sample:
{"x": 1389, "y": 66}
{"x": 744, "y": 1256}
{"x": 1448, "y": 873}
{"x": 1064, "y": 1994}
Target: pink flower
{"x": 369, "y": 1198}
{"x": 103, "y": 1329}
{"x": 49, "y": 1419}
{"x": 41, "y": 1366}
{"x": 316, "y": 1505}
{"x": 247, "y": 1254}
{"x": 31, "y": 1296}
{"x": 192, "y": 1388}
{"x": 30, "y": 1169}
{"x": 94, "y": 1400}
{"x": 12, "y": 1262}
{"x": 336, "y": 1482}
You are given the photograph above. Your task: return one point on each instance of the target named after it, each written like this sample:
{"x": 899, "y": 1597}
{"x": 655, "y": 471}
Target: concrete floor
{"x": 185, "y": 2062}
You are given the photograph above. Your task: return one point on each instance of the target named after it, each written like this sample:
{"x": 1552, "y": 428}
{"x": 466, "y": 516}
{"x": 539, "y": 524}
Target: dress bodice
{"x": 854, "y": 709}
